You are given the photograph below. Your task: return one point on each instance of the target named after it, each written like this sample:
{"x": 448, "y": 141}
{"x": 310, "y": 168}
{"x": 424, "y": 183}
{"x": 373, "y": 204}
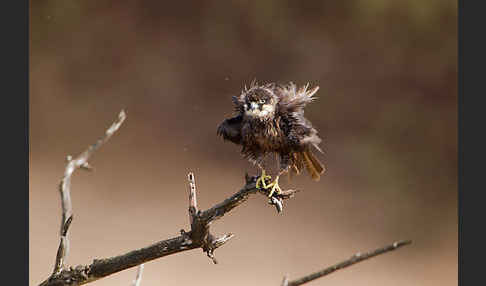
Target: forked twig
{"x": 198, "y": 237}
{"x": 200, "y": 227}
{"x": 81, "y": 161}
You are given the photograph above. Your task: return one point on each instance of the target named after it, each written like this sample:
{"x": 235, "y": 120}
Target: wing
{"x": 238, "y": 103}
{"x": 293, "y": 100}
{"x": 301, "y": 136}
{"x": 299, "y": 131}
{"x": 230, "y": 129}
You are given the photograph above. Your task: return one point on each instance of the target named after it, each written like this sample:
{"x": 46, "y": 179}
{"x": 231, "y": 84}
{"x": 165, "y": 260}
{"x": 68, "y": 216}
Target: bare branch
{"x": 81, "y": 161}
{"x": 348, "y": 262}
{"x": 217, "y": 211}
{"x": 198, "y": 237}
{"x": 138, "y": 278}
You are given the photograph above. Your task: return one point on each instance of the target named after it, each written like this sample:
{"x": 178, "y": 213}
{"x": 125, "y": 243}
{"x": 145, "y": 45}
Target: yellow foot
{"x": 262, "y": 179}
{"x": 275, "y": 187}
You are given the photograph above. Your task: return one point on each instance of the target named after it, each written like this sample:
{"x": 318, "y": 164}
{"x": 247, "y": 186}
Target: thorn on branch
{"x": 285, "y": 281}
{"x": 86, "y": 166}
{"x": 278, "y": 203}
{"x": 211, "y": 246}
{"x": 210, "y": 254}
{"x": 138, "y": 278}
{"x": 222, "y": 240}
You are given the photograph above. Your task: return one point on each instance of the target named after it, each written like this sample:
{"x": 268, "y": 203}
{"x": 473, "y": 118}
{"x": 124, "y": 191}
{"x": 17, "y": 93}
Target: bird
{"x": 270, "y": 119}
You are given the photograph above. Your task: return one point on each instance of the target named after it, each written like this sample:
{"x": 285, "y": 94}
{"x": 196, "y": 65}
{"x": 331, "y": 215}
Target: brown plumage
{"x": 270, "y": 119}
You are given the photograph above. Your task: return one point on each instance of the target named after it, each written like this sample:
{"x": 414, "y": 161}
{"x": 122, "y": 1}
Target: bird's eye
{"x": 261, "y": 101}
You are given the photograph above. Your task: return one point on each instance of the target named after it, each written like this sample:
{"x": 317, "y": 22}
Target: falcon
{"x": 270, "y": 120}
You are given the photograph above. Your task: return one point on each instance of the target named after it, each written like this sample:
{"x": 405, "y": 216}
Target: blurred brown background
{"x": 386, "y": 110}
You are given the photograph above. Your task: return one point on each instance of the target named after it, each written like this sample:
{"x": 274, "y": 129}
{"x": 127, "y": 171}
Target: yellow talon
{"x": 275, "y": 187}
{"x": 262, "y": 179}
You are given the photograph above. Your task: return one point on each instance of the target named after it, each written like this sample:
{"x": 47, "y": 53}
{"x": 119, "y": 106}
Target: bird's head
{"x": 259, "y": 103}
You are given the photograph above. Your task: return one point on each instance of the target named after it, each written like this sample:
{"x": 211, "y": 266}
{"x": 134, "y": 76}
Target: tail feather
{"x": 307, "y": 160}
{"x": 317, "y": 164}
{"x": 297, "y": 166}
{"x": 313, "y": 166}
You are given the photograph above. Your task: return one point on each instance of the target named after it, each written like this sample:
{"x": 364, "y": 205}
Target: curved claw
{"x": 275, "y": 187}
{"x": 261, "y": 180}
